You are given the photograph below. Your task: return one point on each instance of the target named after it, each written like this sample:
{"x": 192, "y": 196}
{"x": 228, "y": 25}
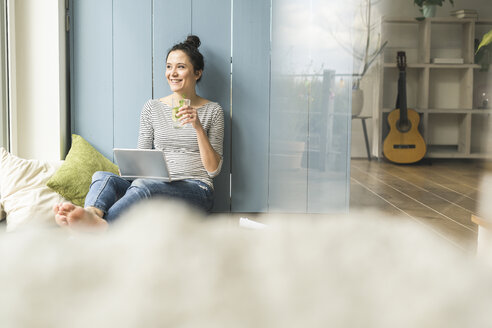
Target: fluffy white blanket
{"x": 165, "y": 265}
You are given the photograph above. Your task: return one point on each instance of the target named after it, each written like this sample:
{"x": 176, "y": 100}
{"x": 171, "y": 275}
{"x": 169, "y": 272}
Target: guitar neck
{"x": 402, "y": 97}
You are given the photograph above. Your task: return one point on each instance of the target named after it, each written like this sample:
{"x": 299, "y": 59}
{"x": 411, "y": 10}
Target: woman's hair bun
{"x": 193, "y": 40}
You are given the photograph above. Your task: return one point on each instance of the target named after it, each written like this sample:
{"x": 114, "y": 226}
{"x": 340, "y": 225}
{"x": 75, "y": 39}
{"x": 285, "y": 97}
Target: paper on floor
{"x": 247, "y": 223}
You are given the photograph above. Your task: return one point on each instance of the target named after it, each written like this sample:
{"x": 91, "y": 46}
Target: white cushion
{"x": 26, "y": 199}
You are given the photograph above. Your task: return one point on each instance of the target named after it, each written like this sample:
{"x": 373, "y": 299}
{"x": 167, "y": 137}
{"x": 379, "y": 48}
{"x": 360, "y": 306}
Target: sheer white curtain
{"x": 4, "y": 126}
{"x": 37, "y": 70}
{"x": 310, "y": 111}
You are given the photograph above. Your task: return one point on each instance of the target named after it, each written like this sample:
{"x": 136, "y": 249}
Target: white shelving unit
{"x": 447, "y": 96}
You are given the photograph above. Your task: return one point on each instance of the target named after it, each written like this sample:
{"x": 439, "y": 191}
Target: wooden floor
{"x": 441, "y": 195}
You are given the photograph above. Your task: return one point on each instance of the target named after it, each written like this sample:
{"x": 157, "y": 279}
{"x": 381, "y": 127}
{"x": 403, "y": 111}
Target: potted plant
{"x": 364, "y": 48}
{"x": 483, "y": 57}
{"x": 364, "y": 51}
{"x": 483, "y": 54}
{"x": 428, "y": 7}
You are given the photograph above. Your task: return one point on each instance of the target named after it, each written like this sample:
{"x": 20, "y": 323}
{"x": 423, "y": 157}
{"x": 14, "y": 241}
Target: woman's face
{"x": 180, "y": 73}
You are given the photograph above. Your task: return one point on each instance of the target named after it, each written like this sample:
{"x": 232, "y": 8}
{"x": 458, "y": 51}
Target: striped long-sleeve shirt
{"x": 181, "y": 145}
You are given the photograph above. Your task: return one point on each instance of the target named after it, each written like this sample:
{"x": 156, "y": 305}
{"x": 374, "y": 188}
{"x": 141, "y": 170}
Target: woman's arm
{"x": 211, "y": 145}
{"x": 146, "y": 130}
{"x": 210, "y": 158}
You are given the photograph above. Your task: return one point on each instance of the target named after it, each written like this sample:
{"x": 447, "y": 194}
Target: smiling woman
{"x": 193, "y": 153}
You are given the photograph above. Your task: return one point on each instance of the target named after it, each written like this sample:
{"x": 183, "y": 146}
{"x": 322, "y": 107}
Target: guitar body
{"x": 403, "y": 144}
{"x": 404, "y": 147}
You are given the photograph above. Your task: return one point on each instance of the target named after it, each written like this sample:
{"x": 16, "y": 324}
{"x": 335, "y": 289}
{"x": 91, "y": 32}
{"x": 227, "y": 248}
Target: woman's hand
{"x": 188, "y": 114}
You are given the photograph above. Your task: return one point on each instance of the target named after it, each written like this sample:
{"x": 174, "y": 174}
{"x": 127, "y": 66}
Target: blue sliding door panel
{"x": 92, "y": 75}
{"x": 172, "y": 23}
{"x": 132, "y": 48}
{"x": 250, "y": 105}
{"x": 211, "y": 21}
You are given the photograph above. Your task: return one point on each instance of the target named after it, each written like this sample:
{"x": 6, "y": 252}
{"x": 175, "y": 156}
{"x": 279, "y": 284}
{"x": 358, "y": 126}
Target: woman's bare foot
{"x": 60, "y": 216}
{"x": 79, "y": 218}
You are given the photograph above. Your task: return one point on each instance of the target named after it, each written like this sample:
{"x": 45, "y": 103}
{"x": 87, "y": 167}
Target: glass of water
{"x": 176, "y": 105}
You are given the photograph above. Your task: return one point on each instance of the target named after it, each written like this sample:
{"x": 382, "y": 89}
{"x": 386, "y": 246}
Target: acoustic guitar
{"x": 404, "y": 143}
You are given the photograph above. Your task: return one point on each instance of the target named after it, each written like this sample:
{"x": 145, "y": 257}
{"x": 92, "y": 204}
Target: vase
{"x": 429, "y": 10}
{"x": 357, "y": 101}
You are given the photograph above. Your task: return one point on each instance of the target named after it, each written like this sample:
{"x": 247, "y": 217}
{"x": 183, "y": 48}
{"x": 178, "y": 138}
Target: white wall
{"x": 400, "y": 8}
{"x": 38, "y": 78}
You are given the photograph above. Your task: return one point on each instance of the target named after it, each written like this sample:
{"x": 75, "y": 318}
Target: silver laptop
{"x": 142, "y": 163}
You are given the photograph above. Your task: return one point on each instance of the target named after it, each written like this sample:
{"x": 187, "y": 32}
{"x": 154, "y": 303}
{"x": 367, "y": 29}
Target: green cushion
{"x": 74, "y": 177}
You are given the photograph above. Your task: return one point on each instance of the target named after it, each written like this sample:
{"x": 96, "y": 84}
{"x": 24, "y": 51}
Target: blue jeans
{"x": 113, "y": 195}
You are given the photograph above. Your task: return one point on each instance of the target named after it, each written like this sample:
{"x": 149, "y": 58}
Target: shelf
{"x": 480, "y": 111}
{"x": 450, "y": 89}
{"x": 452, "y": 66}
{"x": 446, "y": 96}
{"x": 448, "y": 111}
{"x": 404, "y": 20}
{"x": 478, "y": 145}
{"x": 418, "y": 110}
{"x": 446, "y": 66}
{"x": 474, "y": 111}
{"x": 435, "y": 20}
{"x": 444, "y": 151}
{"x": 451, "y": 154}
{"x": 394, "y": 65}
{"x": 484, "y": 22}
{"x": 480, "y": 156}
{"x": 451, "y": 20}
{"x": 445, "y": 155}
